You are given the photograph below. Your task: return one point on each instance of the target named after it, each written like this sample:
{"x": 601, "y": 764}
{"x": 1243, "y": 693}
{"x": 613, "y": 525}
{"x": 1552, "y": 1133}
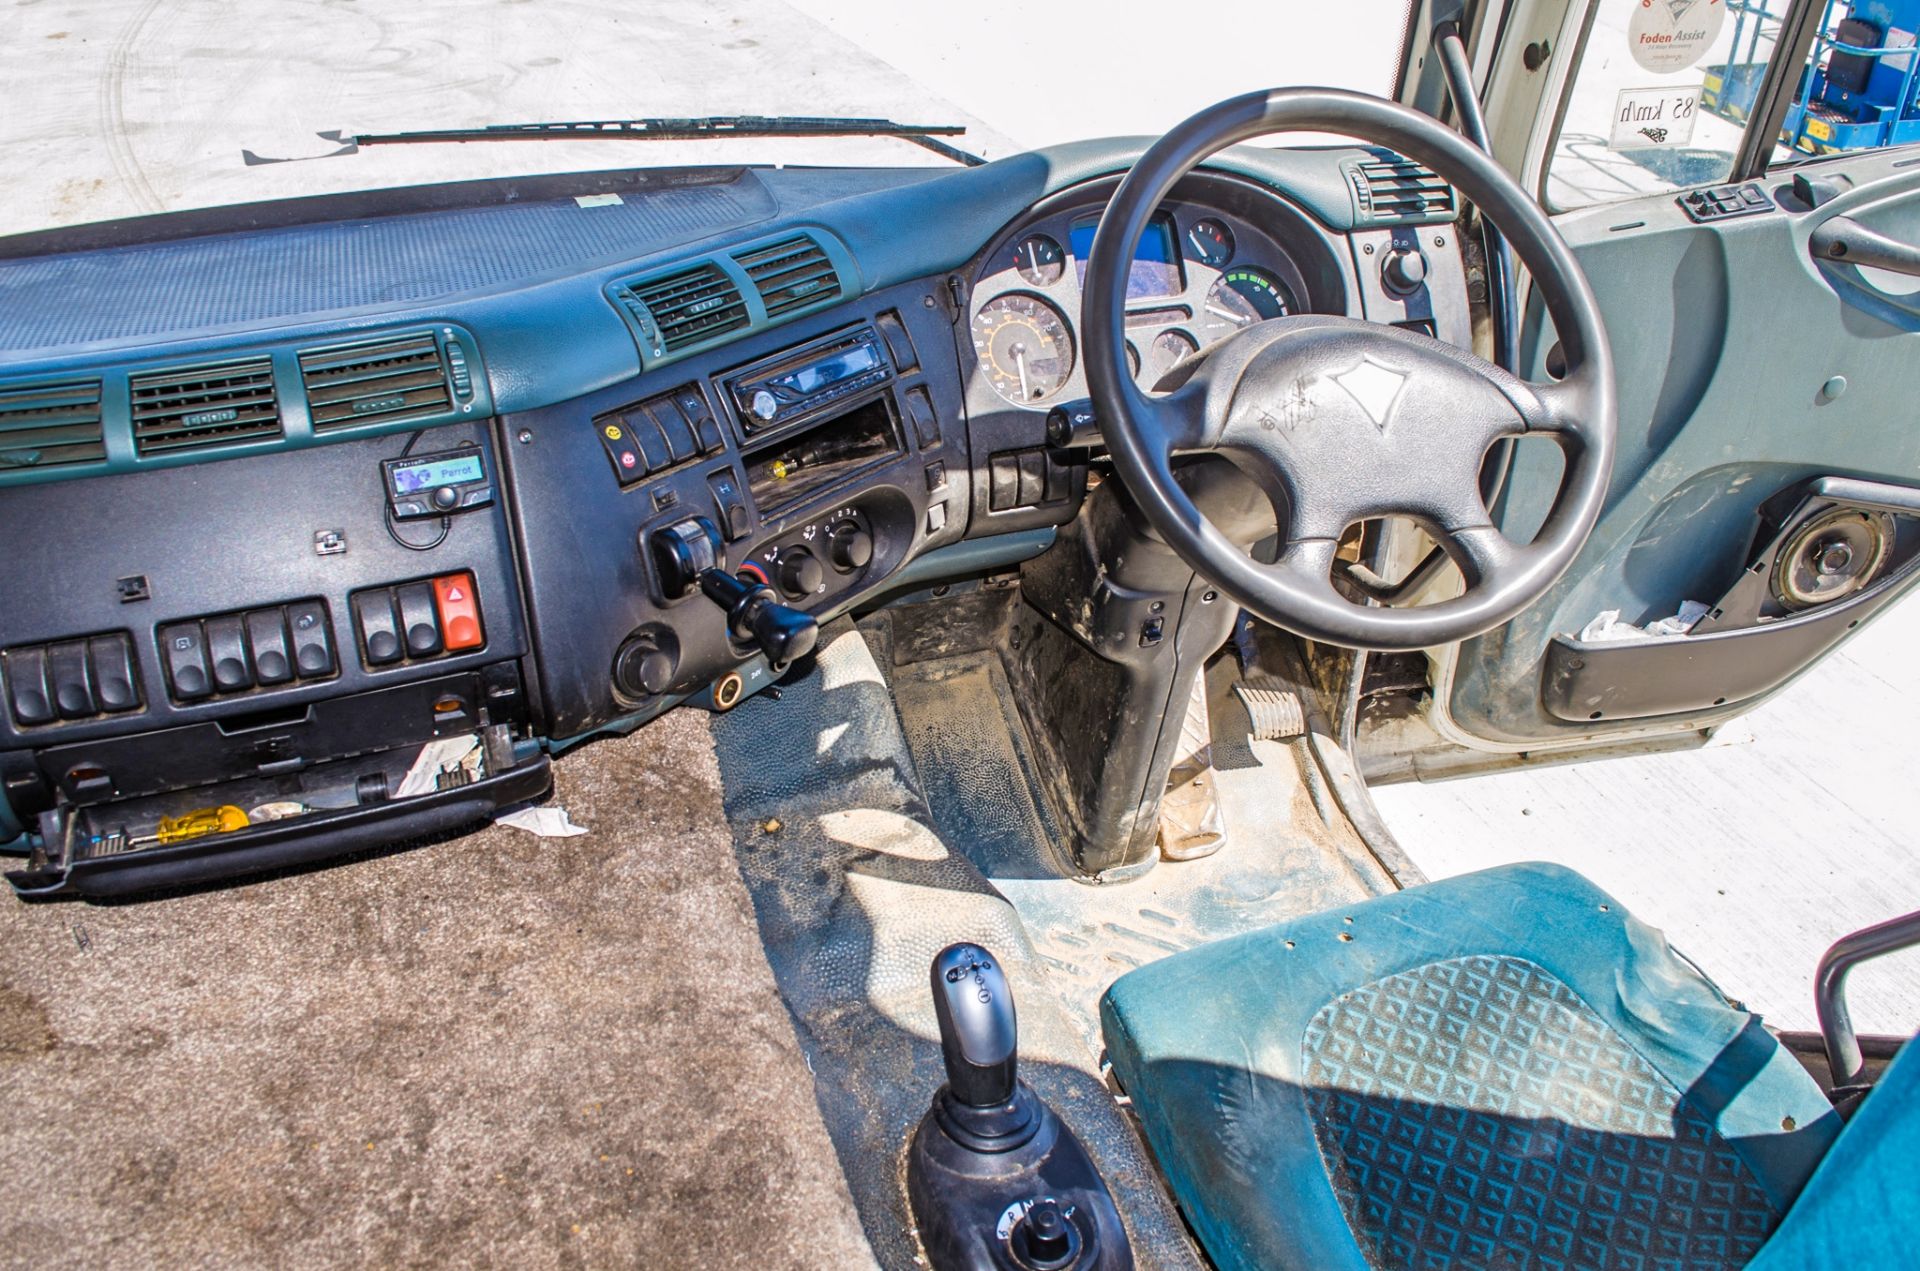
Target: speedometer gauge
{"x": 1241, "y": 297}
{"x": 1024, "y": 346}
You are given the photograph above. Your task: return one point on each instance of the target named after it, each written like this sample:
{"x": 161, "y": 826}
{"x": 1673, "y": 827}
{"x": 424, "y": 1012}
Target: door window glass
{"x": 1859, "y": 86}
{"x": 1656, "y": 100}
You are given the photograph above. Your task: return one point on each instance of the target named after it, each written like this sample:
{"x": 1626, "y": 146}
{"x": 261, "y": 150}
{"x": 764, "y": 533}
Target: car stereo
{"x": 800, "y": 382}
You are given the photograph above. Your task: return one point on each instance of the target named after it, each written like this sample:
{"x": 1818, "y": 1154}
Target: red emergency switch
{"x": 459, "y": 611}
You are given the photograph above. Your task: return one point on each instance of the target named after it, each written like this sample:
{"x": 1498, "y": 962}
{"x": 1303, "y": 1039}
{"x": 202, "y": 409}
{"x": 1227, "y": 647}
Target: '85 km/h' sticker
{"x": 1671, "y": 35}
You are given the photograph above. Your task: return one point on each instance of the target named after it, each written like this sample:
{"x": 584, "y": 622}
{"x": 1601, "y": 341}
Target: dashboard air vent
{"x": 50, "y": 425}
{"x": 691, "y": 306}
{"x": 1397, "y": 189}
{"x": 790, "y": 275}
{"x": 190, "y": 407}
{"x": 402, "y": 377}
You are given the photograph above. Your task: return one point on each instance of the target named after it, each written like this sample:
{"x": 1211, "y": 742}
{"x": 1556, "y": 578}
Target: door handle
{"x": 1843, "y": 240}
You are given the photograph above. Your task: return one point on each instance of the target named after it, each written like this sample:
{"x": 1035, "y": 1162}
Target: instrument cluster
{"x": 1198, "y": 275}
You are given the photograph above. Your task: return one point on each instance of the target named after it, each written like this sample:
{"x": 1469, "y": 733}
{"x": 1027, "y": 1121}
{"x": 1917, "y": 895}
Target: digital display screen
{"x": 831, "y": 370}
{"x": 431, "y": 473}
{"x": 1156, "y": 265}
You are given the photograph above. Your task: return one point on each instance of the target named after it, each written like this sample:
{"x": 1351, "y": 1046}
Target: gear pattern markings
{"x": 1475, "y": 1112}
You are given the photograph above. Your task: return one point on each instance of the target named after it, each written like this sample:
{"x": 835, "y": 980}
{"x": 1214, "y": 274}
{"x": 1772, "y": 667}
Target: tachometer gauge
{"x": 1210, "y": 243}
{"x": 1025, "y": 347}
{"x": 1039, "y": 260}
{"x": 1167, "y": 348}
{"x": 1241, "y": 297}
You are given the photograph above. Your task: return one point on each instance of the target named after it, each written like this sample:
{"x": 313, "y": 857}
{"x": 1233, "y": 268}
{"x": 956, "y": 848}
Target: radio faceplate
{"x": 798, "y": 383}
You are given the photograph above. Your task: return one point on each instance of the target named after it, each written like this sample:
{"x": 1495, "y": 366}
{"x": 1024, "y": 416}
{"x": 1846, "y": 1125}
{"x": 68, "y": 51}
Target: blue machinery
{"x": 1858, "y": 90}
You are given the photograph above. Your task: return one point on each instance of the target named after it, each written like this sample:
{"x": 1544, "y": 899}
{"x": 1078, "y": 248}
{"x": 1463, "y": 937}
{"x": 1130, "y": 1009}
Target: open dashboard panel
{"x": 371, "y": 608}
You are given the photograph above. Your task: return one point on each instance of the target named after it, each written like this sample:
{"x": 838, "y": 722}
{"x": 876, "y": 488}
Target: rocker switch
{"x": 379, "y": 633}
{"x": 184, "y": 652}
{"x": 418, "y": 619}
{"x": 227, "y": 653}
{"x": 459, "y": 608}
{"x": 312, "y": 639}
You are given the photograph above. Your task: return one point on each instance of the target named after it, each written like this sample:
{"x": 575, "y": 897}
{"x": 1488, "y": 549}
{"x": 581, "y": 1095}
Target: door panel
{"x": 1731, "y": 344}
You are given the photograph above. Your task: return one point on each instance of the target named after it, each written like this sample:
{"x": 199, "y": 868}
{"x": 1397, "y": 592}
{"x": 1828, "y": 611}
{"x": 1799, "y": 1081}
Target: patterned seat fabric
{"x": 1504, "y": 1069}
{"x": 1474, "y": 1112}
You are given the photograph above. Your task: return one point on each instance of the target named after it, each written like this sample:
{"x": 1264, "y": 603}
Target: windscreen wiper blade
{"x": 698, "y": 128}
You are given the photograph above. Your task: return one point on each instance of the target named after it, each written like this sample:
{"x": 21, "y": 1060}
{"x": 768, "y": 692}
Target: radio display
{"x": 429, "y": 474}
{"x": 843, "y": 365}
{"x": 1156, "y": 263}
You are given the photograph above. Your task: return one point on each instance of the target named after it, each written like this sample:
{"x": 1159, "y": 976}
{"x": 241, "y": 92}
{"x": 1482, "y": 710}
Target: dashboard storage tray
{"x": 107, "y": 850}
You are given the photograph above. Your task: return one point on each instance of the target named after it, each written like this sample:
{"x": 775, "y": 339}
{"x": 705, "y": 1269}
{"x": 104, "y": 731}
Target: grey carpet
{"x": 497, "y": 1050}
{"x": 855, "y": 893}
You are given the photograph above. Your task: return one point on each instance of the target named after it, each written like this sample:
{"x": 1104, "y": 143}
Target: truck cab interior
{"x": 1048, "y": 553}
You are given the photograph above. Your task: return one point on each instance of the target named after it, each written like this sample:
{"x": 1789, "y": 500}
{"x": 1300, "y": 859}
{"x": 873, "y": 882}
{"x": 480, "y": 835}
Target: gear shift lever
{"x": 996, "y": 1180}
{"x": 979, "y": 1033}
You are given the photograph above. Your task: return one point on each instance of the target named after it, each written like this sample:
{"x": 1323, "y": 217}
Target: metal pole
{"x": 1830, "y": 987}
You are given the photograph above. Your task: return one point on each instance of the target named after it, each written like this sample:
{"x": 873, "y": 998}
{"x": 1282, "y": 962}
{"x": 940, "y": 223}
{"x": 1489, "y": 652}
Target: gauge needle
{"x": 1020, "y": 360}
{"x": 1238, "y": 320}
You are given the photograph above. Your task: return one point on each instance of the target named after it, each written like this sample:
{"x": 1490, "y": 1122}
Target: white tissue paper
{"x": 1606, "y": 626}
{"x": 548, "y": 822}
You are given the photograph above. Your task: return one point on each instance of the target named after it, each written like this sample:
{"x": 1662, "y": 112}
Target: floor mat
{"x": 855, "y": 893}
{"x": 499, "y": 1050}
{"x": 1282, "y": 857}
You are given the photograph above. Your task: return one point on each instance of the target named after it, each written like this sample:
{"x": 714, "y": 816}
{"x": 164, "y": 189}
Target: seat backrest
{"x": 1859, "y": 1208}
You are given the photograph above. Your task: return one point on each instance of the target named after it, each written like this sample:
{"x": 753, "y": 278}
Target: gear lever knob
{"x": 979, "y": 1034}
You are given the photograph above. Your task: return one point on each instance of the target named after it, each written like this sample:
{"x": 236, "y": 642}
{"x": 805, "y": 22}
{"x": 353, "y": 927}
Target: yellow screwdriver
{"x": 195, "y": 824}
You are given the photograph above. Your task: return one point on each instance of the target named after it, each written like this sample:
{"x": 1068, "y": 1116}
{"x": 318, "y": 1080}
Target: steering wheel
{"x": 1351, "y": 420}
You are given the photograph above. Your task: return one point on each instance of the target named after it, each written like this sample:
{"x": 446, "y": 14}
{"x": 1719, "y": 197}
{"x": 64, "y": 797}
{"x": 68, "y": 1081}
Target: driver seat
{"x": 1503, "y": 1069}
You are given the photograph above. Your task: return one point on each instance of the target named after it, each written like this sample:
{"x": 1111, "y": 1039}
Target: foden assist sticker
{"x": 1671, "y": 35}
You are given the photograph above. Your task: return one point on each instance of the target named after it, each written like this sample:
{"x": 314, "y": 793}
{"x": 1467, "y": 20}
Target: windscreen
{"x": 131, "y": 109}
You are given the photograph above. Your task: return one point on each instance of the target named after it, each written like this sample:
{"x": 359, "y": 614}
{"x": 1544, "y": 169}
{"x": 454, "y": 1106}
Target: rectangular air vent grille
{"x": 692, "y": 306}
{"x": 1400, "y": 189}
{"x": 400, "y": 378}
{"x": 50, "y": 425}
{"x": 790, "y": 275}
{"x": 204, "y": 406}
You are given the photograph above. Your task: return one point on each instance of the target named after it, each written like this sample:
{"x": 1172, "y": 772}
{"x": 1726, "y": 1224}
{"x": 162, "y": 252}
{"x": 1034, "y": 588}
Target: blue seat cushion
{"x": 1502, "y": 1069}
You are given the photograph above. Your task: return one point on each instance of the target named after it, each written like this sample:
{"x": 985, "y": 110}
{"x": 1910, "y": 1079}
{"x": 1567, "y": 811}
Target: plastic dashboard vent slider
{"x": 685, "y": 308}
{"x": 790, "y": 275}
{"x": 187, "y": 408}
{"x": 378, "y": 381}
{"x": 50, "y": 425}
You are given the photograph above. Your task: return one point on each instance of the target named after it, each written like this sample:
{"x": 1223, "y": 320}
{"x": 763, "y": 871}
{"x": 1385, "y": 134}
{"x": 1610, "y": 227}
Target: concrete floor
{"x": 1796, "y": 826}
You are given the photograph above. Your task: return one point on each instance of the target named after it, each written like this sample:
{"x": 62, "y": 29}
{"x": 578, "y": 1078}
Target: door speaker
{"x": 1831, "y": 556}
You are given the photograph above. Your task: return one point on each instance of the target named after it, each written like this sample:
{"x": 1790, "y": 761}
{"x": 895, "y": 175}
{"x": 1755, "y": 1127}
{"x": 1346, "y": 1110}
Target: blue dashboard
{"x": 291, "y": 491}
